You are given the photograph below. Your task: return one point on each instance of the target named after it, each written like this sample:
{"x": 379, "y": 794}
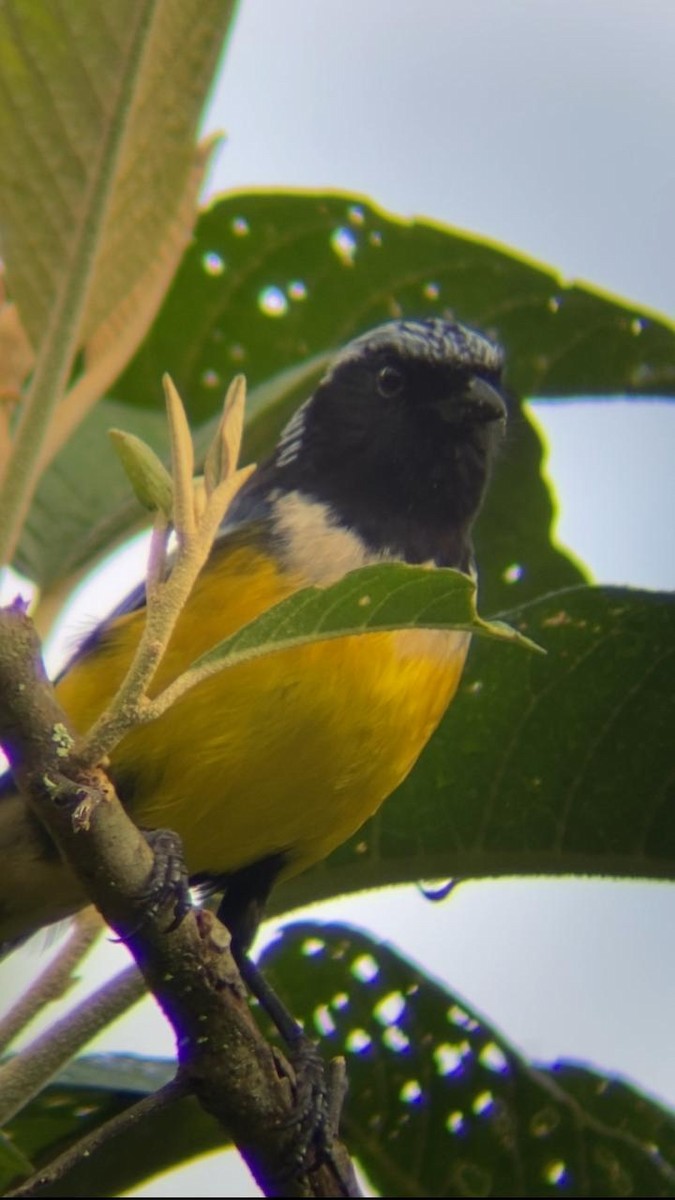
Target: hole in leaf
{"x": 493, "y": 1058}
{"x": 343, "y": 243}
{"x": 483, "y": 1103}
{"x": 455, "y": 1123}
{"x": 411, "y": 1092}
{"x": 556, "y": 1173}
{"x": 323, "y": 1021}
{"x": 390, "y": 1009}
{"x": 358, "y": 1041}
{"x": 213, "y": 263}
{"x": 448, "y": 1059}
{"x": 513, "y": 573}
{"x": 272, "y": 302}
{"x": 297, "y": 290}
{"x": 395, "y": 1039}
{"x": 364, "y": 968}
{"x": 312, "y": 946}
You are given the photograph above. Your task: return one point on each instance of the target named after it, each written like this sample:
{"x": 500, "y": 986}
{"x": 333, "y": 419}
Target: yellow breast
{"x": 291, "y": 752}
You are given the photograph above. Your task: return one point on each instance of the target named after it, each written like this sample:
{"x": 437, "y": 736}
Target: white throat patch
{"x": 315, "y": 545}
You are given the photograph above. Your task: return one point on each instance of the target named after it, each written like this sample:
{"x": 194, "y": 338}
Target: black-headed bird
{"x": 264, "y": 768}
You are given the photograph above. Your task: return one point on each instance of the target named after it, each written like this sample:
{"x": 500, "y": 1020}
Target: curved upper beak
{"x": 478, "y": 402}
{"x": 482, "y": 402}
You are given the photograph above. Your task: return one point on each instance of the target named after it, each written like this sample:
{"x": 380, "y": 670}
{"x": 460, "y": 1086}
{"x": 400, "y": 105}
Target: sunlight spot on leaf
{"x": 431, "y": 291}
{"x": 637, "y": 326}
{"x": 240, "y": 226}
{"x": 554, "y": 304}
{"x": 375, "y": 238}
{"x": 340, "y": 1001}
{"x": 356, "y": 214}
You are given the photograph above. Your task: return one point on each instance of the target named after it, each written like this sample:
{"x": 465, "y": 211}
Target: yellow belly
{"x": 291, "y": 752}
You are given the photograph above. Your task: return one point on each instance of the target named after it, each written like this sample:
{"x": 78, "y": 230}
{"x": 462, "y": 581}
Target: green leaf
{"x": 97, "y": 161}
{"x": 88, "y": 1093}
{"x": 84, "y": 504}
{"x": 440, "y": 1104}
{"x": 390, "y": 596}
{"x": 561, "y": 339}
{"x": 556, "y": 764}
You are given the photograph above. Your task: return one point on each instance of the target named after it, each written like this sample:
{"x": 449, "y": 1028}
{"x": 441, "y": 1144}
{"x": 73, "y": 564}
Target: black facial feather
{"x": 398, "y": 439}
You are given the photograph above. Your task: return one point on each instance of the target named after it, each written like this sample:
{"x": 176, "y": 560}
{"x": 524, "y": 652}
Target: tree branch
{"x": 222, "y": 1055}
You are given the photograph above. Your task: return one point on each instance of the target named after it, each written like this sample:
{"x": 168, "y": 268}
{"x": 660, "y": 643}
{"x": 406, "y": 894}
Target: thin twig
{"x": 56, "y": 979}
{"x": 24, "y": 1076}
{"x": 166, "y": 599}
{"x": 174, "y": 1090}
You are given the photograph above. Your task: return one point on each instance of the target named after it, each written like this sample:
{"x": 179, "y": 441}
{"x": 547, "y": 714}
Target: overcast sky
{"x": 547, "y": 125}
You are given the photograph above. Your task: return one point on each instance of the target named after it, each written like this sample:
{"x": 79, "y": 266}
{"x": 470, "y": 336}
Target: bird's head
{"x": 398, "y": 438}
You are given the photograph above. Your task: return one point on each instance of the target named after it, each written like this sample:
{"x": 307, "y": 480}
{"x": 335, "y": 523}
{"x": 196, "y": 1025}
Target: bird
{"x": 263, "y": 769}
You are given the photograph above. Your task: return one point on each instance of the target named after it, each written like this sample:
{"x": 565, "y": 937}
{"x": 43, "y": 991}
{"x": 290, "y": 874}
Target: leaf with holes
{"x": 273, "y": 278}
{"x": 440, "y": 1104}
{"x": 543, "y": 765}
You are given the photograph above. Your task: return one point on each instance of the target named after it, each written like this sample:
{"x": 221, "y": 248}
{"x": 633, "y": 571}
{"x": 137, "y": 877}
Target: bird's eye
{"x": 390, "y": 382}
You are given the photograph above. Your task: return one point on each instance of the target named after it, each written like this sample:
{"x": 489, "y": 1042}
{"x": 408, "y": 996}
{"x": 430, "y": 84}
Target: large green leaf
{"x": 440, "y": 1104}
{"x": 555, "y": 764}
{"x": 98, "y": 140}
{"x": 337, "y": 264}
{"x": 83, "y": 504}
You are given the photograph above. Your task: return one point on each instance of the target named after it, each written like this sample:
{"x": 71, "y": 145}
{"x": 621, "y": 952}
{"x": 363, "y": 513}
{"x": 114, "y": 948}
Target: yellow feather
{"x": 291, "y": 752}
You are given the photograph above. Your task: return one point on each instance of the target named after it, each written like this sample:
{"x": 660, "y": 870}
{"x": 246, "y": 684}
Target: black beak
{"x": 482, "y": 402}
{"x": 478, "y": 403}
